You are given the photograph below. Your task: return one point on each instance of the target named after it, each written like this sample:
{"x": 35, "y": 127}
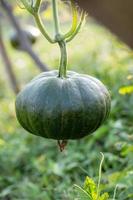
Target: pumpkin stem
{"x": 63, "y": 60}
{"x": 62, "y": 144}
{"x": 60, "y": 40}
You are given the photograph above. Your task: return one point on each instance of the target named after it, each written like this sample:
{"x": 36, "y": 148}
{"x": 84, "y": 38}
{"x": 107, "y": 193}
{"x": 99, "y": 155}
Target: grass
{"x": 32, "y": 168}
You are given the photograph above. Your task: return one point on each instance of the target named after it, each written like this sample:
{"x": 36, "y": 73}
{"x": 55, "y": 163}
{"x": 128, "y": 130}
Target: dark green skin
{"x": 63, "y": 108}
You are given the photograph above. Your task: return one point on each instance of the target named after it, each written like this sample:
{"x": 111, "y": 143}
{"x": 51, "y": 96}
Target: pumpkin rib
{"x": 19, "y": 116}
{"x": 45, "y": 108}
{"x": 102, "y": 102}
{"x": 55, "y": 108}
{"x": 82, "y": 103}
{"x": 75, "y": 110}
{"x": 105, "y": 93}
{"x": 83, "y": 108}
{"x": 38, "y": 109}
{"x": 65, "y": 107}
{"x": 79, "y": 85}
{"x": 105, "y": 105}
{"x": 62, "y": 103}
{"x": 31, "y": 96}
{"x": 30, "y": 102}
{"x": 23, "y": 105}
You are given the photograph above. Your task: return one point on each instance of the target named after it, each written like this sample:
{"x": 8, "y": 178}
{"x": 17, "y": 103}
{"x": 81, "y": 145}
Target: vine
{"x": 34, "y": 8}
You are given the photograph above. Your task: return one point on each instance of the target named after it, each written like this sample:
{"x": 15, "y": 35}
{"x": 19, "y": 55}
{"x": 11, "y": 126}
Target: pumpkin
{"x": 31, "y": 34}
{"x": 63, "y": 108}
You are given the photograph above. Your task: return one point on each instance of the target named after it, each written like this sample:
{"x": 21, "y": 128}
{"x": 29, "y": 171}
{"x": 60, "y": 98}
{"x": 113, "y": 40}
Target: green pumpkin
{"x": 63, "y": 108}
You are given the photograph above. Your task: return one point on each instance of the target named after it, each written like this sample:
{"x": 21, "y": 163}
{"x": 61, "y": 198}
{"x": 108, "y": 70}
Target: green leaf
{"x": 89, "y": 186}
{"x": 82, "y": 194}
{"x": 104, "y": 196}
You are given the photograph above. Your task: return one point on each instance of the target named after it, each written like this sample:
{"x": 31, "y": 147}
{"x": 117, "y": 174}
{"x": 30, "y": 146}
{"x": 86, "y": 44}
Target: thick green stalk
{"x": 61, "y": 42}
{"x": 37, "y": 5}
{"x": 63, "y": 59}
{"x": 55, "y": 16}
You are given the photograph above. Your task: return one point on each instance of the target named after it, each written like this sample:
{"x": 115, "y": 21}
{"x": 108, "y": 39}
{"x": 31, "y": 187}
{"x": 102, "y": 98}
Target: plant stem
{"x": 61, "y": 41}
{"x": 41, "y": 28}
{"x": 100, "y": 174}
{"x": 115, "y": 192}
{"x": 55, "y": 17}
{"x": 37, "y": 5}
{"x": 63, "y": 60}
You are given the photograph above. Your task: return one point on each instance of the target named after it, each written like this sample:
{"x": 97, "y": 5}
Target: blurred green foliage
{"x": 32, "y": 168}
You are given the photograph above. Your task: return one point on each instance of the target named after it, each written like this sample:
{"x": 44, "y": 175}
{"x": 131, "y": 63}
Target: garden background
{"x": 32, "y": 168}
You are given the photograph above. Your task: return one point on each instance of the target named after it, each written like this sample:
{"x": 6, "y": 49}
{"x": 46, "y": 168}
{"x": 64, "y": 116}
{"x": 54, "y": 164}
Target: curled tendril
{"x": 78, "y": 28}
{"x": 33, "y": 7}
{"x": 75, "y": 28}
{"x": 74, "y": 20}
